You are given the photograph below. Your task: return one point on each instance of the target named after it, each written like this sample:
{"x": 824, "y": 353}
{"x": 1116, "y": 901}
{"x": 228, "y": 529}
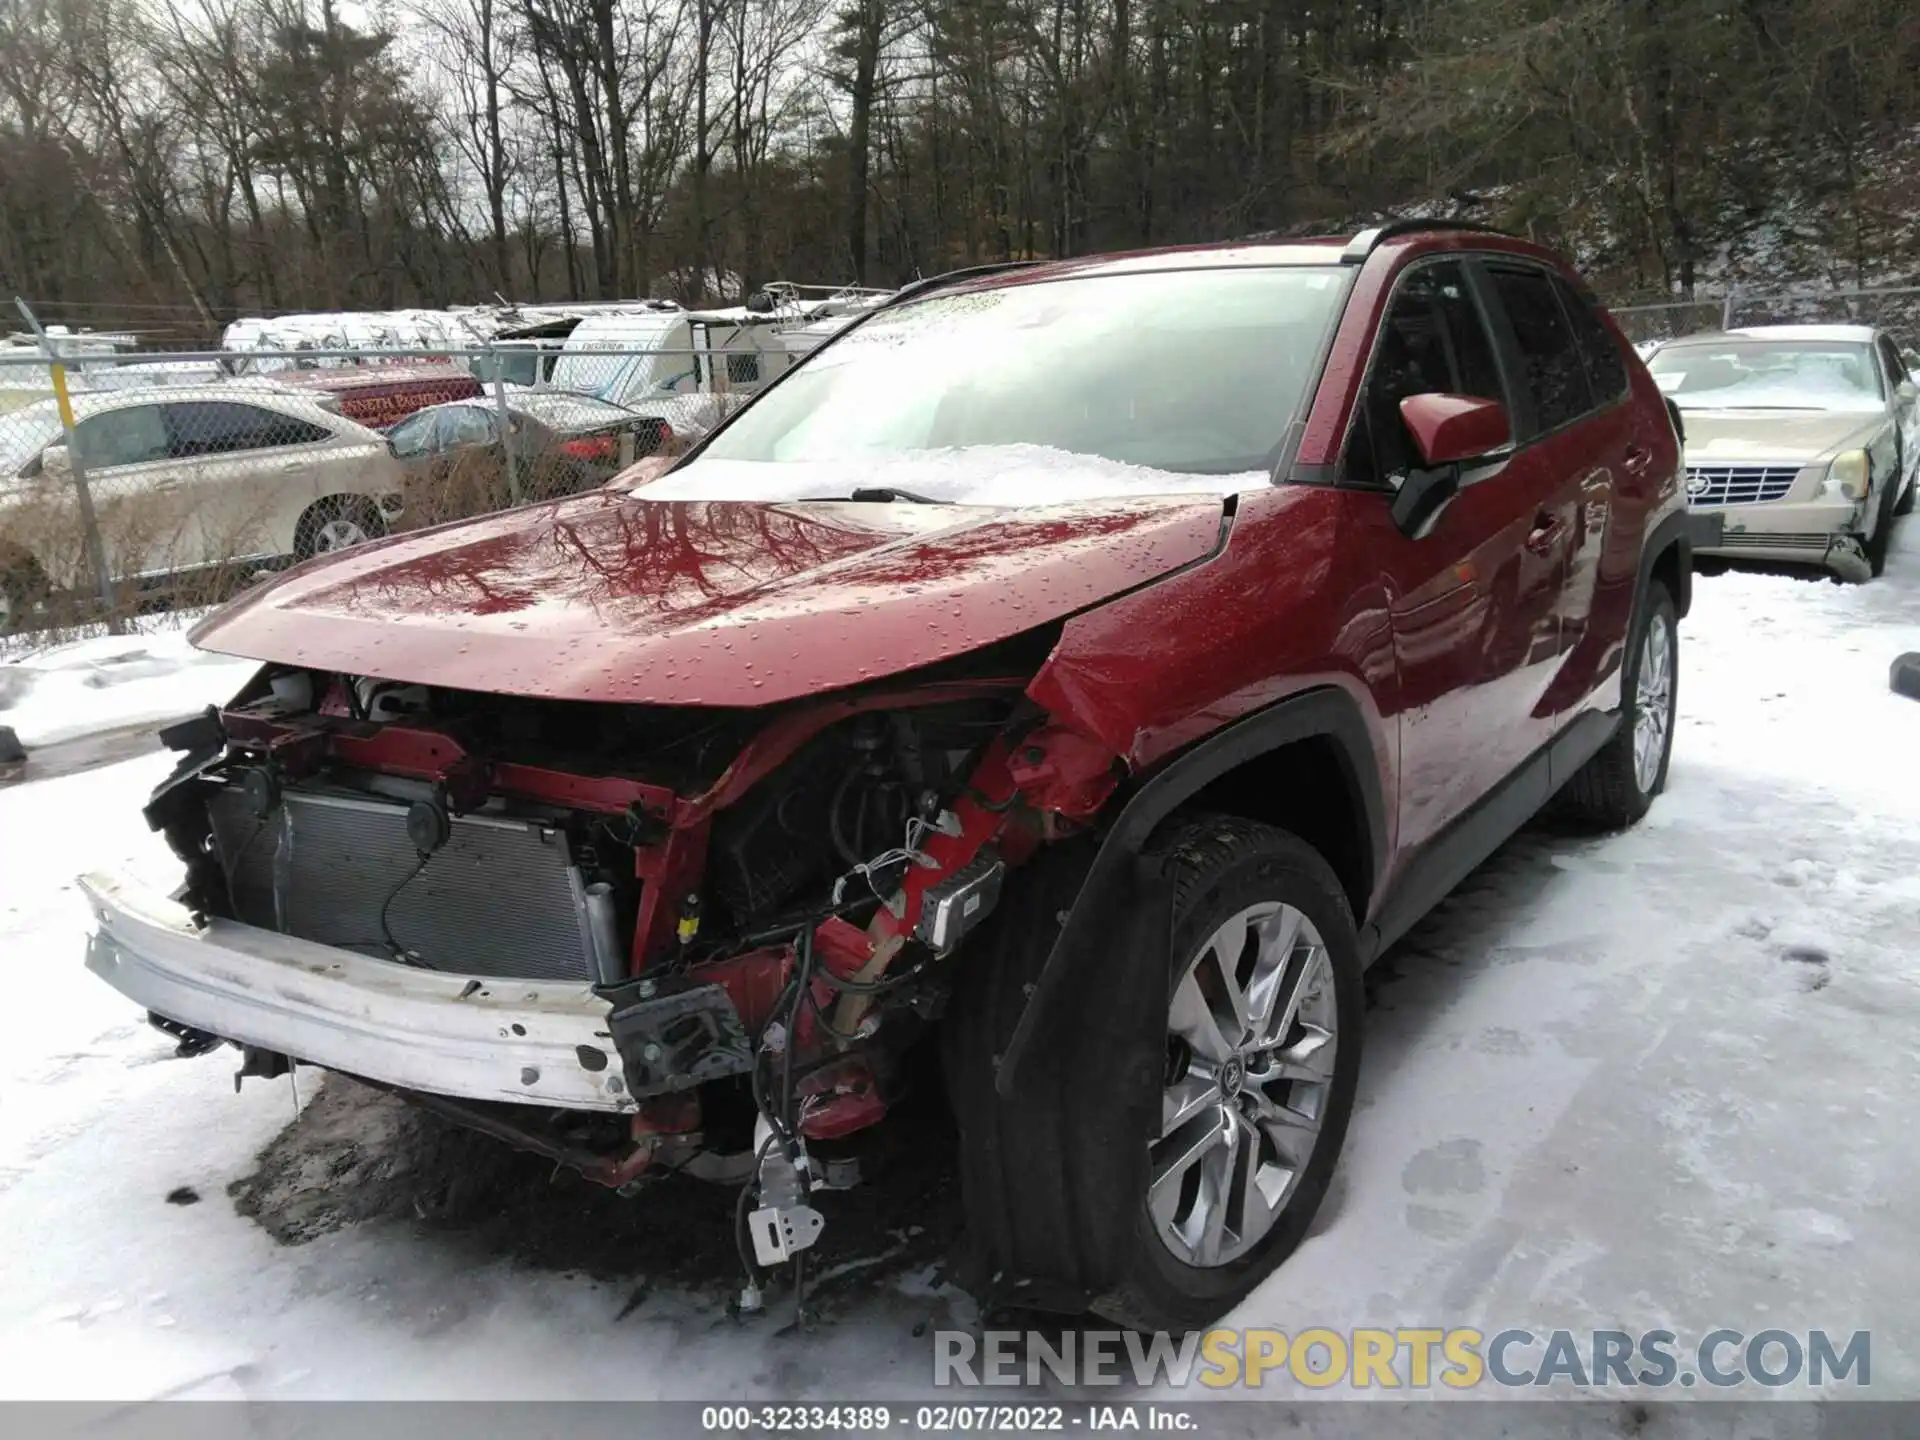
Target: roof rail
{"x": 915, "y": 288}
{"x": 1367, "y": 241}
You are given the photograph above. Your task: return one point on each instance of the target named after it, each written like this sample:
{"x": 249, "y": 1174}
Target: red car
{"x": 1086, "y": 668}
{"x": 381, "y": 395}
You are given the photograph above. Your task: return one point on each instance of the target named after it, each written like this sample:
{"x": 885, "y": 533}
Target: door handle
{"x": 1637, "y": 458}
{"x": 1546, "y": 533}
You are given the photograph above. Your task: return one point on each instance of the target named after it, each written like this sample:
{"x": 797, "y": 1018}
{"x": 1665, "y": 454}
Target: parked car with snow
{"x": 380, "y": 396}
{"x": 182, "y": 481}
{"x": 1803, "y": 439}
{"x": 1085, "y": 671}
{"x": 455, "y": 456}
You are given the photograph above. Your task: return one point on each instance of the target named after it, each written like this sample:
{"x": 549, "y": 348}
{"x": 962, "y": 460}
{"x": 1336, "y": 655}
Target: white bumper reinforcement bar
{"x": 472, "y": 1036}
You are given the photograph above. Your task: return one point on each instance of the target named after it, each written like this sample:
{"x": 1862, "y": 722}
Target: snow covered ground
{"x": 88, "y": 686}
{"x": 1664, "y": 1079}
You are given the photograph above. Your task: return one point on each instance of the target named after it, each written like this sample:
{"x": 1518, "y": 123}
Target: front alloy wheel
{"x": 1252, "y": 1041}
{"x": 1173, "y": 1141}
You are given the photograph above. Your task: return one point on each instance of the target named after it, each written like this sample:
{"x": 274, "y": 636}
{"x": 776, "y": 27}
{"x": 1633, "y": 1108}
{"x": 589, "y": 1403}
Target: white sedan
{"x": 184, "y": 480}
{"x": 1804, "y": 439}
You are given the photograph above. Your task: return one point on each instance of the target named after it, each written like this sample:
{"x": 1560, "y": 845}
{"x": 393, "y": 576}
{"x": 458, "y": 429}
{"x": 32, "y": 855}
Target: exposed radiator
{"x": 501, "y": 897}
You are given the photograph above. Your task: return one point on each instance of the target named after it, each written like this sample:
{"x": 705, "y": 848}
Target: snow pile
{"x": 111, "y": 681}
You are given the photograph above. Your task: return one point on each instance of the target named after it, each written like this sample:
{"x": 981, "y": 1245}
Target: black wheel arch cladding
{"x": 1121, "y": 866}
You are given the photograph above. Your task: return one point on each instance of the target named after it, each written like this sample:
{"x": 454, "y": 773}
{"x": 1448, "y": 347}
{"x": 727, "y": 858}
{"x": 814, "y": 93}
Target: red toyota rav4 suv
{"x": 1085, "y": 667}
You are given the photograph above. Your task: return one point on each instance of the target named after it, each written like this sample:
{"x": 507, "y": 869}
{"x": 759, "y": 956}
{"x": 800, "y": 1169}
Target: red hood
{"x": 615, "y": 598}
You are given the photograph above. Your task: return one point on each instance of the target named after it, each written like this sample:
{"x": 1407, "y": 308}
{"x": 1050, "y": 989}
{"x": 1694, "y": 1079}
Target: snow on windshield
{"x": 982, "y": 475}
{"x": 625, "y": 358}
{"x": 1769, "y": 375}
{"x": 1154, "y": 382}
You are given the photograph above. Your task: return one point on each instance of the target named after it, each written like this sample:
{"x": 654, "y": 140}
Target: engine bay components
{"x": 676, "y": 1040}
{"x": 767, "y": 904}
{"x": 783, "y": 1224}
{"x": 603, "y": 927}
{"x": 953, "y": 906}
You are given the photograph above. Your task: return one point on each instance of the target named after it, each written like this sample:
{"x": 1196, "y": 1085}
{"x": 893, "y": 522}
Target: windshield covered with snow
{"x": 623, "y": 358}
{"x": 1135, "y": 384}
{"x": 1770, "y": 375}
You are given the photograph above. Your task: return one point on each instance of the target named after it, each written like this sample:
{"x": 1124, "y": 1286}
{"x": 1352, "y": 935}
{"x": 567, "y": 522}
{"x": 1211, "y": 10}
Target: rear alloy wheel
{"x": 1653, "y": 708}
{"x": 1617, "y": 785}
{"x": 338, "y": 522}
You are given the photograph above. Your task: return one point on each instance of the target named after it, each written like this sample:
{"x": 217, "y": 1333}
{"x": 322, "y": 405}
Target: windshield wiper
{"x": 882, "y": 493}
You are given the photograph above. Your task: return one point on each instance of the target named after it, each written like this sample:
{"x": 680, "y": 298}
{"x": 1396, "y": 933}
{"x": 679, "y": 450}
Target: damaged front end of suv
{"x": 634, "y": 936}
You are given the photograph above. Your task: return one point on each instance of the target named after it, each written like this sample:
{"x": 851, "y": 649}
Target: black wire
{"x": 834, "y": 827}
{"x": 804, "y": 989}
{"x": 227, "y": 870}
{"x": 992, "y": 807}
{"x": 818, "y": 1014}
{"x": 871, "y": 987}
{"x": 740, "y": 1215}
{"x": 386, "y": 933}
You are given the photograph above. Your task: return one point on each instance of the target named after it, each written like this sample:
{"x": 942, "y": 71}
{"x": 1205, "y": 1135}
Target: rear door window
{"x": 221, "y": 427}
{"x": 1433, "y": 340}
{"x": 1553, "y": 371}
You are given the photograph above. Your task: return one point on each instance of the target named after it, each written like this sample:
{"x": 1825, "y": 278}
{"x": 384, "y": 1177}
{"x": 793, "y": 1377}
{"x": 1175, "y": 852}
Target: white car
{"x": 1804, "y": 439}
{"x": 183, "y": 479}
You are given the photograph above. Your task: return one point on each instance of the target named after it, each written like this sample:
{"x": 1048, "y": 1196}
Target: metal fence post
{"x": 506, "y": 428}
{"x": 89, "y": 521}
{"x": 1726, "y": 307}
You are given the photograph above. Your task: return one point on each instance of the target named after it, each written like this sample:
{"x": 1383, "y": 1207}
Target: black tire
{"x": 1055, "y": 1180}
{"x": 1905, "y": 505}
{"x": 1882, "y": 538}
{"x": 1607, "y": 791}
{"x": 356, "y": 510}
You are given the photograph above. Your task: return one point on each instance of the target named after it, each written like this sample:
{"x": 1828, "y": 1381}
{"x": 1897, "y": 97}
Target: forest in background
{"x": 173, "y": 164}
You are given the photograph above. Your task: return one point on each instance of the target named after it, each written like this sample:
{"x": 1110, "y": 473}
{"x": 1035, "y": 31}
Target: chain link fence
{"x": 1895, "y": 309}
{"x": 141, "y": 480}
